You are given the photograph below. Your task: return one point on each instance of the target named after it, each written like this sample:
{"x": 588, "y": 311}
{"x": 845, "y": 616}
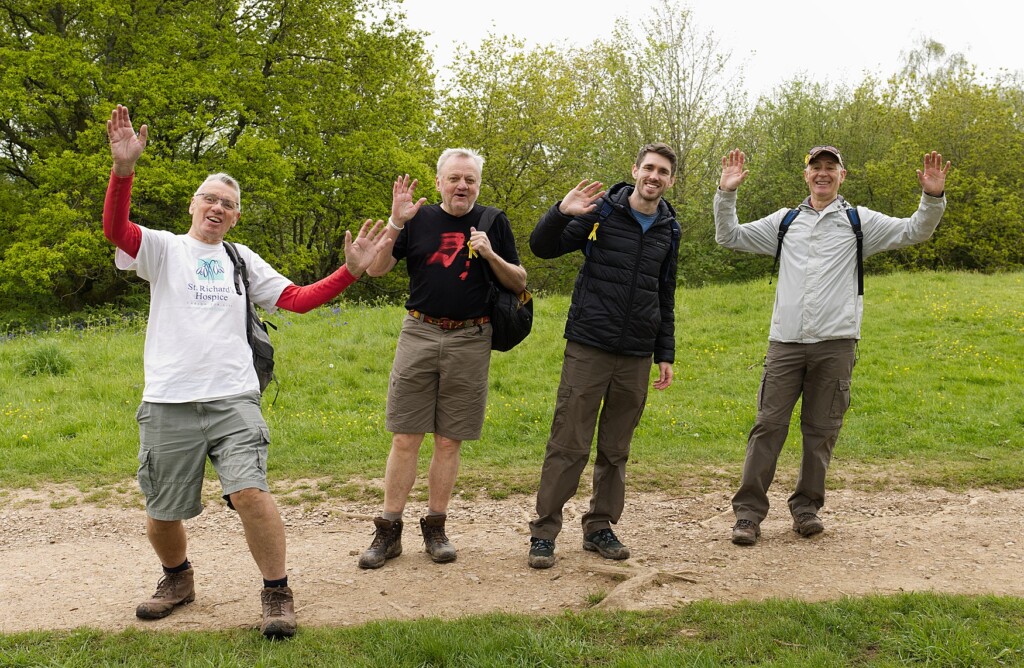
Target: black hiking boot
{"x": 387, "y": 543}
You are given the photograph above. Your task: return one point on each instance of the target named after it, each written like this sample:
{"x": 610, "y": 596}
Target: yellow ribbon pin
{"x": 472, "y": 253}
{"x": 593, "y": 233}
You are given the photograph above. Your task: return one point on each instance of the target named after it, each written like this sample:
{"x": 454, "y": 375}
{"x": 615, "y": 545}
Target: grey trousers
{"x": 592, "y": 380}
{"x": 821, "y": 373}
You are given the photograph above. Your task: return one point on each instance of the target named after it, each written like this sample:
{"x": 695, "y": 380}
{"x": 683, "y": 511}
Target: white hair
{"x": 461, "y": 153}
{"x": 222, "y": 177}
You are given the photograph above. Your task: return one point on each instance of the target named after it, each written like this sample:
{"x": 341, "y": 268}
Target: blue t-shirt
{"x": 644, "y": 220}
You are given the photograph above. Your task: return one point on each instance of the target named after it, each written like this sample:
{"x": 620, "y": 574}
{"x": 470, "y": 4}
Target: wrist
{"x": 392, "y": 225}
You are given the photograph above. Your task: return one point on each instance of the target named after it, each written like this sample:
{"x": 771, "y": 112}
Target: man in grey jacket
{"x": 815, "y": 321}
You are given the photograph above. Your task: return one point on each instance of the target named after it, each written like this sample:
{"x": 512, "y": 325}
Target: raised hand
{"x": 361, "y": 251}
{"x": 733, "y": 173}
{"x": 581, "y": 199}
{"x": 933, "y": 177}
{"x": 125, "y": 145}
{"x": 403, "y": 208}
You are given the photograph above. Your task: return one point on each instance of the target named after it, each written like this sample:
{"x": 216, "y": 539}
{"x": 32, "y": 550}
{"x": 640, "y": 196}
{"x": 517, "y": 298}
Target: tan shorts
{"x": 439, "y": 380}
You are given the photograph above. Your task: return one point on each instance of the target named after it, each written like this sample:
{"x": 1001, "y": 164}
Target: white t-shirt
{"x": 196, "y": 347}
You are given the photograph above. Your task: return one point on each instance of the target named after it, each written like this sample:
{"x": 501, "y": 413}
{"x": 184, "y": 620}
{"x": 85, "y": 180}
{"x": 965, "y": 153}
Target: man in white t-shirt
{"x": 201, "y": 398}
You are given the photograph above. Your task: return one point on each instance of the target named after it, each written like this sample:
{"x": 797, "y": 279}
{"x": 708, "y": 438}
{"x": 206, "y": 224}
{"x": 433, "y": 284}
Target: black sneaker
{"x": 606, "y": 544}
{"x": 745, "y": 532}
{"x": 807, "y": 524}
{"x": 542, "y": 553}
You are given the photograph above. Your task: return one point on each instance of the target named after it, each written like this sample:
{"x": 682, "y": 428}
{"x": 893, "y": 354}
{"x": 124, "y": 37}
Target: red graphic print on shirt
{"x": 448, "y": 250}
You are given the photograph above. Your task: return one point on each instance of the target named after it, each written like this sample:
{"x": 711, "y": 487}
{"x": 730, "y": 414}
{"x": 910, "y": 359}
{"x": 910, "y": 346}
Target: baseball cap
{"x": 817, "y": 150}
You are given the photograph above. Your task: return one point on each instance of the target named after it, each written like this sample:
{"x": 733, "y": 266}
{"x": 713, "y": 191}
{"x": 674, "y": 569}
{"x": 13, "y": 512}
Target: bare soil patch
{"x": 70, "y": 563}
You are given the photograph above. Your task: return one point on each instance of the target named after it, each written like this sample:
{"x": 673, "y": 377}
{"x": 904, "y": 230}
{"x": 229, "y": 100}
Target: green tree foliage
{"x": 313, "y": 106}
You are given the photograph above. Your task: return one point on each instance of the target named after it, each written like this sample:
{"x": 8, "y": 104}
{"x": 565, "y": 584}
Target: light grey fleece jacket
{"x": 816, "y": 298}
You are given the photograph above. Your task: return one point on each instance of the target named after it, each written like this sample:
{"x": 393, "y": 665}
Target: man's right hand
{"x": 125, "y": 145}
{"x": 733, "y": 173}
{"x": 402, "y": 206}
{"x": 581, "y": 199}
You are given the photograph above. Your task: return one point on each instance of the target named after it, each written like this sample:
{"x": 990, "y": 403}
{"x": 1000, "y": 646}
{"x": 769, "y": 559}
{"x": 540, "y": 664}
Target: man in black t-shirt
{"x": 439, "y": 378}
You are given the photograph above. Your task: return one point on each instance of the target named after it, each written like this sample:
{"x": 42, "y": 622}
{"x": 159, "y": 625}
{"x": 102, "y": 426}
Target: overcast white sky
{"x": 836, "y": 40}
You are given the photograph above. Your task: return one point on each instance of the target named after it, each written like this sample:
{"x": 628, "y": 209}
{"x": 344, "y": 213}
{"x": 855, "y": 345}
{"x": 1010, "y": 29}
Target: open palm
{"x": 125, "y": 145}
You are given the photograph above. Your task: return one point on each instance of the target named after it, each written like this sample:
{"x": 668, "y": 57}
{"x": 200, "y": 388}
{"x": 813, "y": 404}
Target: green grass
{"x": 936, "y": 402}
{"x": 909, "y": 629}
{"x": 936, "y": 396}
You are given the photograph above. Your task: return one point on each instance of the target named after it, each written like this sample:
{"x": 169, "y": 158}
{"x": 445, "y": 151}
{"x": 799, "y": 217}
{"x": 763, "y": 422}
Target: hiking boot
{"x": 278, "y": 612}
{"x": 387, "y": 543}
{"x": 542, "y": 553}
{"x": 745, "y": 532}
{"x": 807, "y": 524}
{"x": 172, "y": 590}
{"x": 606, "y": 544}
{"x": 436, "y": 543}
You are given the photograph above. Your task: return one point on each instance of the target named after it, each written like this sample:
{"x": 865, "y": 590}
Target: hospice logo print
{"x": 209, "y": 271}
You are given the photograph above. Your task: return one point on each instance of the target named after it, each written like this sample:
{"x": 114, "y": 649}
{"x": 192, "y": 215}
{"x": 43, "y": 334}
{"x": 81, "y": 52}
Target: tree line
{"x": 317, "y": 106}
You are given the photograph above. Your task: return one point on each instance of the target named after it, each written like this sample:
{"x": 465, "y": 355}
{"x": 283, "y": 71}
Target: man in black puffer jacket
{"x": 621, "y": 320}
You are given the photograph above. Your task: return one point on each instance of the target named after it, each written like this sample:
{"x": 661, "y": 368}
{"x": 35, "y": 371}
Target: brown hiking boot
{"x": 437, "y": 545}
{"x": 745, "y": 532}
{"x": 172, "y": 590}
{"x": 807, "y": 524}
{"x": 278, "y": 612}
{"x": 387, "y": 544}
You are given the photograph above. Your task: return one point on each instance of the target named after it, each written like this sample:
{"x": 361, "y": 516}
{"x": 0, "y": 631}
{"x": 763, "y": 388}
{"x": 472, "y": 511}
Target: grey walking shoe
{"x": 606, "y": 544}
{"x": 542, "y": 553}
{"x": 807, "y": 524}
{"x": 387, "y": 543}
{"x": 278, "y": 612}
{"x": 172, "y": 590}
{"x": 434, "y": 539}
{"x": 745, "y": 532}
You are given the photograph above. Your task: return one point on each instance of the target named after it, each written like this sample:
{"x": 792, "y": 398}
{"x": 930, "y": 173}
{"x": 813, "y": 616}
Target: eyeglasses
{"x": 227, "y": 204}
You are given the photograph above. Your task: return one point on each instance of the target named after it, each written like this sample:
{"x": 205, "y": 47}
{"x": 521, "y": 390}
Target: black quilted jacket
{"x": 624, "y": 298}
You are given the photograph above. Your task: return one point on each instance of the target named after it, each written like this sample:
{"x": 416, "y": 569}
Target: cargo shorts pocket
{"x": 145, "y": 474}
{"x": 841, "y": 399}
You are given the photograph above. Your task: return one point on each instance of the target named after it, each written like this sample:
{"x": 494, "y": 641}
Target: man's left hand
{"x": 359, "y": 253}
{"x": 933, "y": 177}
{"x": 664, "y": 376}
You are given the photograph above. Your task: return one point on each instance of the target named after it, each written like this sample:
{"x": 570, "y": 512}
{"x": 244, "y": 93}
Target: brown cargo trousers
{"x": 821, "y": 373}
{"x": 592, "y": 380}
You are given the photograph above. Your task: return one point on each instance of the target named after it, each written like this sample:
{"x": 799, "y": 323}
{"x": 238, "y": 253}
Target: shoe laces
{"x": 275, "y": 600}
{"x": 383, "y": 536}
{"x": 542, "y": 544}
{"x": 435, "y": 534}
{"x": 806, "y": 517}
{"x": 745, "y": 524}
{"x": 605, "y": 536}
{"x": 165, "y": 586}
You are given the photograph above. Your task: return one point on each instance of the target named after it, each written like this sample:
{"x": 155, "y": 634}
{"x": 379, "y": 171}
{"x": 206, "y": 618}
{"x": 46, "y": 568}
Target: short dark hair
{"x": 661, "y": 149}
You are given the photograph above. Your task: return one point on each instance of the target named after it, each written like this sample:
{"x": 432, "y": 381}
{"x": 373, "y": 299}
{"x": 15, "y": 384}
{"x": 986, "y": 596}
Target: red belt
{"x": 448, "y": 323}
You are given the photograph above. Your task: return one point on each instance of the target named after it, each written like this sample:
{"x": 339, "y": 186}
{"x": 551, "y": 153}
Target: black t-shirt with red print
{"x": 444, "y": 282}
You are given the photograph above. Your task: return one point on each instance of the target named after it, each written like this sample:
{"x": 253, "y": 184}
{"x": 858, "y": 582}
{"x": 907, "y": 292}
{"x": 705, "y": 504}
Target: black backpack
{"x": 854, "y": 217}
{"x": 256, "y": 332}
{"x": 511, "y": 314}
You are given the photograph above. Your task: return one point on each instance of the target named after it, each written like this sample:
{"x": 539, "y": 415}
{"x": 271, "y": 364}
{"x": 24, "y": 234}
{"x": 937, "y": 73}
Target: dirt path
{"x": 83, "y": 565}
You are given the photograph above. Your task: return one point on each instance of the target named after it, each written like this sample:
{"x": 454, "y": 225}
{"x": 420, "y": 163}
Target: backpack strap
{"x": 854, "y": 217}
{"x": 241, "y": 272}
{"x": 602, "y": 215}
{"x": 787, "y": 220}
{"x": 487, "y": 219}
